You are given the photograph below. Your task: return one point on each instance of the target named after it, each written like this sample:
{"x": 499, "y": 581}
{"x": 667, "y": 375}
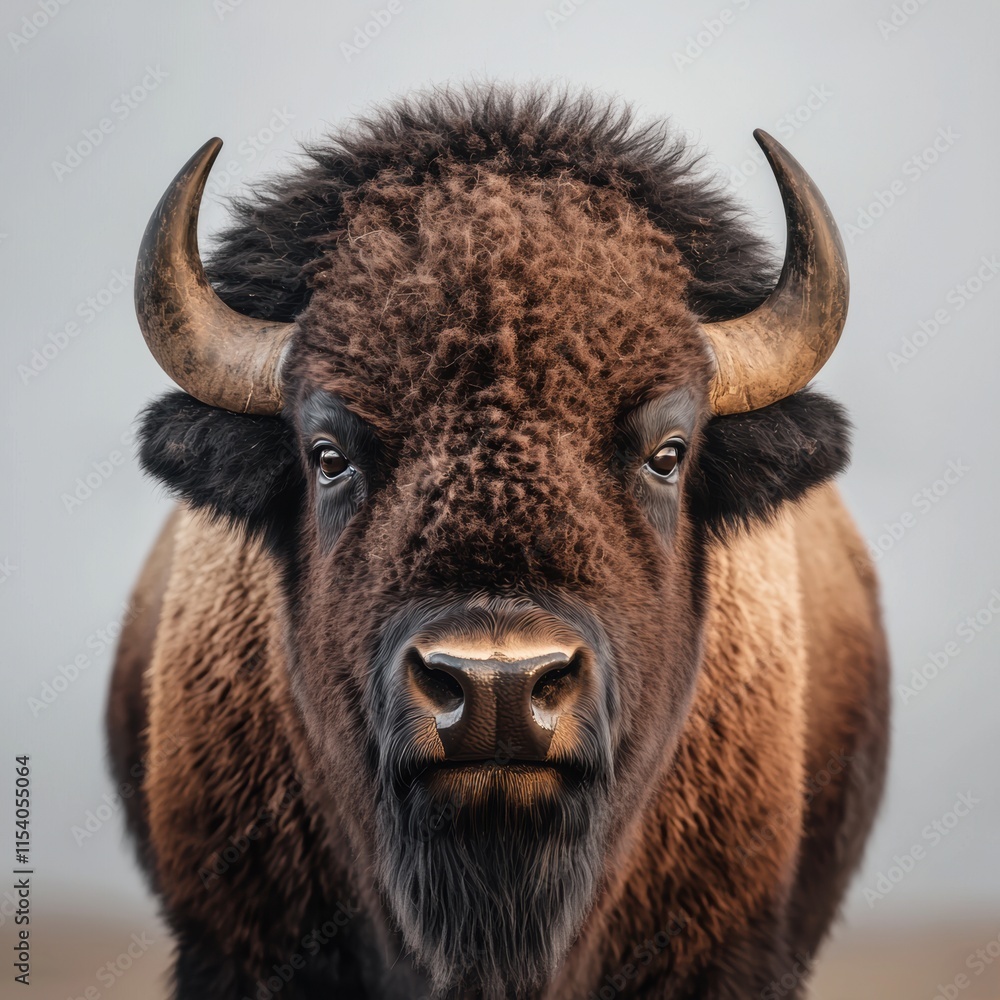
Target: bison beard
{"x": 489, "y": 895}
{"x": 488, "y": 867}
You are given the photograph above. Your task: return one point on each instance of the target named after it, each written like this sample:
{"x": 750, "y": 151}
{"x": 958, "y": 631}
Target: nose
{"x": 489, "y": 706}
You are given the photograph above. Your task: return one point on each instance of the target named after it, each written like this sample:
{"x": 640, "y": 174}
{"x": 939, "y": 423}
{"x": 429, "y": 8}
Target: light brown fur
{"x": 776, "y": 698}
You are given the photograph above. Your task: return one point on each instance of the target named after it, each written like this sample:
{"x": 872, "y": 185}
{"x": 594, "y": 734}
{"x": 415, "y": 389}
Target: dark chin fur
{"x": 489, "y": 897}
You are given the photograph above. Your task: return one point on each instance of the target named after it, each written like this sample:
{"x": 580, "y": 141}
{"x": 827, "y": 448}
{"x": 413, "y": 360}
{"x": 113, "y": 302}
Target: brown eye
{"x": 331, "y": 462}
{"x": 664, "y": 463}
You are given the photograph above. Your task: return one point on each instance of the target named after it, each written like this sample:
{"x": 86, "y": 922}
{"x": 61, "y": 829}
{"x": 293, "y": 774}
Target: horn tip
{"x": 768, "y": 143}
{"x": 206, "y": 154}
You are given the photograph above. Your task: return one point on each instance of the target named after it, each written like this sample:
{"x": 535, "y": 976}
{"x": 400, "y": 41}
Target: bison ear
{"x": 749, "y": 464}
{"x": 239, "y": 467}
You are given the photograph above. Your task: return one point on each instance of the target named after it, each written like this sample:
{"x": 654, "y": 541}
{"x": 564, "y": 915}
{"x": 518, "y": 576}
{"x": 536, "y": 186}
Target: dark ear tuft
{"x": 240, "y": 467}
{"x": 751, "y": 463}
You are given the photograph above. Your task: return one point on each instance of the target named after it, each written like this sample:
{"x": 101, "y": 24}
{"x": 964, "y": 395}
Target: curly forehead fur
{"x": 533, "y": 295}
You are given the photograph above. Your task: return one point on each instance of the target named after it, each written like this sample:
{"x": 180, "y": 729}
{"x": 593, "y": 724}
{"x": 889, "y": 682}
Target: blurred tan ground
{"x": 907, "y": 964}
{"x": 856, "y": 965}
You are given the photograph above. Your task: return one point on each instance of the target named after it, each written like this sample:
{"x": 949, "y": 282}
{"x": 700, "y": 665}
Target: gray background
{"x": 242, "y": 69}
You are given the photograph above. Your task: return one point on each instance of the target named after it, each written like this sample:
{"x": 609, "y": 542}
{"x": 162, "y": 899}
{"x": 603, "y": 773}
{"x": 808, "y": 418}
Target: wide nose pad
{"x": 495, "y": 708}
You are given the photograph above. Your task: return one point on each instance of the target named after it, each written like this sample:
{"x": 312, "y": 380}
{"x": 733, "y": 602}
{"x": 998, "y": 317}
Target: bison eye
{"x": 665, "y": 461}
{"x": 330, "y": 462}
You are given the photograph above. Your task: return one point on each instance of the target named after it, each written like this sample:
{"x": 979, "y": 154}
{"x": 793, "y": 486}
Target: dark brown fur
{"x": 493, "y": 313}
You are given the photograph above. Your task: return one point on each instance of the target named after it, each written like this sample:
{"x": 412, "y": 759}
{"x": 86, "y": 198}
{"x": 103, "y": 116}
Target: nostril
{"x": 441, "y": 690}
{"x": 554, "y": 687}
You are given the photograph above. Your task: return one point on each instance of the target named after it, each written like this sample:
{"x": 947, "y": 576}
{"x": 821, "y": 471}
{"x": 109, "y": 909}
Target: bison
{"x": 509, "y": 638}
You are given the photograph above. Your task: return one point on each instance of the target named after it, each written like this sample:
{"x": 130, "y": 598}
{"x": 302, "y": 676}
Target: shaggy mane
{"x": 262, "y": 264}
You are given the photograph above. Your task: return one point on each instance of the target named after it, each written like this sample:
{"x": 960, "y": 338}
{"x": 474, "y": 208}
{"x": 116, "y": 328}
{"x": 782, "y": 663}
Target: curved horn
{"x": 775, "y": 350}
{"x": 216, "y": 354}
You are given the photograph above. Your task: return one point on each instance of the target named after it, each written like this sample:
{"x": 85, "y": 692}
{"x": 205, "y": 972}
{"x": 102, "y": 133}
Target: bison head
{"x": 490, "y": 373}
